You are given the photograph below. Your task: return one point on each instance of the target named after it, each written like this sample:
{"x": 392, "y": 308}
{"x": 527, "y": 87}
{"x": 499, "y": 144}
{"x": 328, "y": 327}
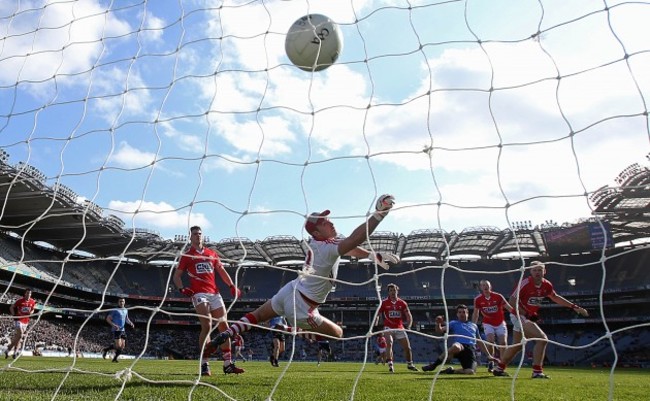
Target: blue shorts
{"x": 119, "y": 334}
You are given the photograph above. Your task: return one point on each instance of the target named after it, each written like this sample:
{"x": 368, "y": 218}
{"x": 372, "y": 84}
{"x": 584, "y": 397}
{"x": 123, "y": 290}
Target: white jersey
{"x": 322, "y": 261}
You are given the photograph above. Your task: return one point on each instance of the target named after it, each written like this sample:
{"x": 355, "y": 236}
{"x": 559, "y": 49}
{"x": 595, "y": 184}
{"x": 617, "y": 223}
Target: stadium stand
{"x": 75, "y": 284}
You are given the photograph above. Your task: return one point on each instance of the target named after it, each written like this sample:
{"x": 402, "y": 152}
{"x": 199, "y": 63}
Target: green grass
{"x": 31, "y": 378}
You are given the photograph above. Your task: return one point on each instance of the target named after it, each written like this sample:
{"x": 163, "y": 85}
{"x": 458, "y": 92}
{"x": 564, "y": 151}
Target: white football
{"x": 313, "y": 42}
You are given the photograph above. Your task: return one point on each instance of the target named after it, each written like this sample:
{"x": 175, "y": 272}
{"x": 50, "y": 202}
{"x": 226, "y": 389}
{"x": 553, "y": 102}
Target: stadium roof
{"x": 626, "y": 207}
{"x": 37, "y": 212}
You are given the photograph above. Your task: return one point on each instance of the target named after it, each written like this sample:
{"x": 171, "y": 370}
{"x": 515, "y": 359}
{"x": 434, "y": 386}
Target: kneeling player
{"x": 464, "y": 334}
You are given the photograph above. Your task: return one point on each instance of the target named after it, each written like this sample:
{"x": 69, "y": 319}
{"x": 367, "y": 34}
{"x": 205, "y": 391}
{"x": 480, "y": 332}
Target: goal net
{"x": 503, "y": 129}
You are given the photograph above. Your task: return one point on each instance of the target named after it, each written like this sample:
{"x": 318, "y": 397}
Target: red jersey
{"x": 200, "y": 266}
{"x": 237, "y": 341}
{"x": 24, "y": 307}
{"x": 393, "y": 313}
{"x": 381, "y": 342}
{"x": 531, "y": 296}
{"x": 491, "y": 307}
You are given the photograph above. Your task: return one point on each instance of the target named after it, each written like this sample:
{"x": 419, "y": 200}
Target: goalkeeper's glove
{"x": 383, "y": 258}
{"x": 186, "y": 291}
{"x": 383, "y": 206}
{"x": 235, "y": 292}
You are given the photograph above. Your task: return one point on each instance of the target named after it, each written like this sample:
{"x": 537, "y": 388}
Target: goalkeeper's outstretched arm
{"x": 383, "y": 205}
{"x": 383, "y": 259}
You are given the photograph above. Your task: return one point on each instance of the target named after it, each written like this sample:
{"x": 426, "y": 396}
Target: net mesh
{"x": 169, "y": 115}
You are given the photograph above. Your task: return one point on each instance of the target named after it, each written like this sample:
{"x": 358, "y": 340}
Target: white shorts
{"x": 306, "y": 316}
{"x": 214, "y": 300}
{"x": 20, "y": 326}
{"x": 397, "y": 334}
{"x": 499, "y": 331}
{"x": 381, "y": 350}
{"x": 515, "y": 322}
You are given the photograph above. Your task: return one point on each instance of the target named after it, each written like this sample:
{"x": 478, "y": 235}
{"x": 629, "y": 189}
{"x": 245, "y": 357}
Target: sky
{"x": 471, "y": 113}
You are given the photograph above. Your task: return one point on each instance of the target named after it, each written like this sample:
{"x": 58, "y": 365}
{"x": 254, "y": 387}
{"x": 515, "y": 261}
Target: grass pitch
{"x": 29, "y": 379}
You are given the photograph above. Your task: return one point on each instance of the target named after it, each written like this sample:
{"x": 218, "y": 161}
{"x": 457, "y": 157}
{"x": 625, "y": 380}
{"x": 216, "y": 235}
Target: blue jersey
{"x": 118, "y": 317}
{"x": 278, "y": 320}
{"x": 468, "y": 329}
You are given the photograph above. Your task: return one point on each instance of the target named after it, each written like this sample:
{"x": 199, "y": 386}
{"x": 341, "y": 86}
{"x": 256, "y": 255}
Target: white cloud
{"x": 159, "y": 215}
{"x": 129, "y": 157}
{"x": 153, "y": 27}
{"x": 59, "y": 46}
{"x": 186, "y": 141}
{"x": 513, "y": 139}
{"x": 528, "y": 113}
{"x": 120, "y": 93}
{"x": 227, "y": 163}
{"x": 270, "y": 135}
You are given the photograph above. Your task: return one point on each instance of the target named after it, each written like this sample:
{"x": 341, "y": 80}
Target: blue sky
{"x": 169, "y": 114}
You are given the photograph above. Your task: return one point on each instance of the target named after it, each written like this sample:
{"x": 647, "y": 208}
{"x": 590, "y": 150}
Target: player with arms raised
{"x": 300, "y": 298}
{"x": 490, "y": 305}
{"x": 21, "y": 309}
{"x": 202, "y": 264}
{"x": 526, "y": 299}
{"x": 394, "y": 312}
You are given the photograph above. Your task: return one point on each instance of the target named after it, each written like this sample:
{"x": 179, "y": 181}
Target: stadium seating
{"x": 354, "y": 301}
